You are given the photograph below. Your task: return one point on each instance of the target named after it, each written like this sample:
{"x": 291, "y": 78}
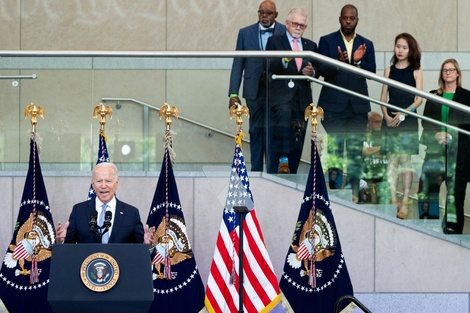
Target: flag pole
{"x": 34, "y": 111}
{"x": 167, "y": 111}
{"x": 241, "y": 211}
{"x": 238, "y": 110}
{"x": 313, "y": 111}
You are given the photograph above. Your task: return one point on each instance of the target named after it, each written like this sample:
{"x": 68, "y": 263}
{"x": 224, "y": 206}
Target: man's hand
{"x": 148, "y": 235}
{"x": 359, "y": 53}
{"x": 61, "y": 232}
{"x": 308, "y": 70}
{"x": 233, "y": 101}
{"x": 342, "y": 55}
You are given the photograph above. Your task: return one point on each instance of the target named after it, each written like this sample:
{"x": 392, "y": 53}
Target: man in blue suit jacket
{"x": 346, "y": 116}
{"x": 288, "y": 99}
{"x": 126, "y": 226}
{"x": 254, "y": 37}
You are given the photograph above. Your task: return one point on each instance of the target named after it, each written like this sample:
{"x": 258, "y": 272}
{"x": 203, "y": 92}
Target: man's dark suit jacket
{"x": 331, "y": 99}
{"x": 127, "y": 226}
{"x": 249, "y": 39}
{"x": 279, "y": 91}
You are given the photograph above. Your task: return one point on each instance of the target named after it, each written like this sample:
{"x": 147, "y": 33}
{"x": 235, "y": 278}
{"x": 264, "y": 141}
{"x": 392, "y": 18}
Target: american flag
{"x": 260, "y": 288}
{"x": 102, "y": 157}
{"x": 24, "y": 275}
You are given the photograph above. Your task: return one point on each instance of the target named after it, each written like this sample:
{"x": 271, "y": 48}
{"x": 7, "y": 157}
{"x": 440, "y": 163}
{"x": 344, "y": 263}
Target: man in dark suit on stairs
{"x": 288, "y": 99}
{"x": 346, "y": 115}
{"x": 254, "y": 37}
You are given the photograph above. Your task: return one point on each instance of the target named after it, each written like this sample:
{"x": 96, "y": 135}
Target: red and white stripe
{"x": 20, "y": 252}
{"x": 158, "y": 258}
{"x": 304, "y": 251}
{"x": 260, "y": 282}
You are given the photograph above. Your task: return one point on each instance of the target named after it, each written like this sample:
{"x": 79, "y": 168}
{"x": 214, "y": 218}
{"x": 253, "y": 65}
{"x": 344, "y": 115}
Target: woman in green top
{"x": 447, "y": 154}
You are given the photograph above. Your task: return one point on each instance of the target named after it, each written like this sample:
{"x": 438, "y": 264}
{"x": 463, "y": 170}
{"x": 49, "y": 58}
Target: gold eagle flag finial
{"x": 167, "y": 111}
{"x": 102, "y": 111}
{"x": 34, "y": 111}
{"x": 314, "y": 111}
{"x": 238, "y": 110}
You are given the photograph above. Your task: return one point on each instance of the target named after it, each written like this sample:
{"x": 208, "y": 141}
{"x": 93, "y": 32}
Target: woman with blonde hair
{"x": 447, "y": 154}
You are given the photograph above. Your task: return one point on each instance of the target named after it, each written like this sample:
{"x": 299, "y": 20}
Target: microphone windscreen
{"x": 108, "y": 215}
{"x": 94, "y": 215}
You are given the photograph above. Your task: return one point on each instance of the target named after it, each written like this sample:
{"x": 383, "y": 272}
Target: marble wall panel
{"x": 10, "y": 21}
{"x": 381, "y": 21}
{"x": 356, "y": 232}
{"x": 170, "y": 25}
{"x": 463, "y": 26}
{"x": 8, "y": 219}
{"x": 93, "y": 25}
{"x": 403, "y": 255}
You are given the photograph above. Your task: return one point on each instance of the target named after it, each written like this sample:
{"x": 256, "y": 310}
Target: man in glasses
{"x": 289, "y": 98}
{"x": 346, "y": 115}
{"x": 254, "y": 37}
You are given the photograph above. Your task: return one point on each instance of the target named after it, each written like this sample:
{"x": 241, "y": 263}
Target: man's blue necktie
{"x": 105, "y": 237}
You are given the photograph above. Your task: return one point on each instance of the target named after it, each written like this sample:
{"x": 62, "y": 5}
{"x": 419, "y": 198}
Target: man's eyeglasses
{"x": 448, "y": 70}
{"x": 261, "y": 12}
{"x": 295, "y": 25}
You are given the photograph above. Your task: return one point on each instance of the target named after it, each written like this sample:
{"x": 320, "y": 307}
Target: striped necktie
{"x": 105, "y": 237}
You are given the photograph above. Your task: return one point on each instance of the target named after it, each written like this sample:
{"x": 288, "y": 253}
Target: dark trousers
{"x": 287, "y": 128}
{"x": 257, "y": 123}
{"x": 347, "y": 131}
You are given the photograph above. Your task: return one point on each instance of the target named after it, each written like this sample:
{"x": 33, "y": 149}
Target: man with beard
{"x": 345, "y": 115}
{"x": 254, "y": 37}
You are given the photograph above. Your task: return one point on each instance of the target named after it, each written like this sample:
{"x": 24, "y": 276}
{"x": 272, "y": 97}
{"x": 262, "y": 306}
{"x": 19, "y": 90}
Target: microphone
{"x": 92, "y": 223}
{"x": 107, "y": 220}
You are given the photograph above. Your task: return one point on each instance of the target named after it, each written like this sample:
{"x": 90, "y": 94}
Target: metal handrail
{"x": 215, "y": 130}
{"x": 234, "y": 54}
{"x": 388, "y": 105}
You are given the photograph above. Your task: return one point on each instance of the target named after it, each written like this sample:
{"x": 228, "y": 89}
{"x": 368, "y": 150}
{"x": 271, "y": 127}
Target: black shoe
{"x": 449, "y": 231}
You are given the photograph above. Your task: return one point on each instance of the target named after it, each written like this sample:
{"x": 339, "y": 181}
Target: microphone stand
{"x": 240, "y": 210}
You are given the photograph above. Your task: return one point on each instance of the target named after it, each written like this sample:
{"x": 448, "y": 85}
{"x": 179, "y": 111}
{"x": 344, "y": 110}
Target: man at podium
{"x": 104, "y": 219}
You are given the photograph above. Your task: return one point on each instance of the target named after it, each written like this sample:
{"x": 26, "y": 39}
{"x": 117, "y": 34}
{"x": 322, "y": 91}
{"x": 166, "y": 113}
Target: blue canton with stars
{"x": 239, "y": 193}
{"x": 102, "y": 157}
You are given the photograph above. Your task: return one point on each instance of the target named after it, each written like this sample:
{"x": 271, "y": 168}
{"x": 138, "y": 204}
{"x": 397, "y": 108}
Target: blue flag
{"x": 102, "y": 157}
{"x": 177, "y": 284}
{"x": 24, "y": 276}
{"x": 315, "y": 273}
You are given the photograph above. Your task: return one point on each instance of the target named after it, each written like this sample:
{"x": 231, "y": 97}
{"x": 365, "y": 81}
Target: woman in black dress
{"x": 401, "y": 133}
